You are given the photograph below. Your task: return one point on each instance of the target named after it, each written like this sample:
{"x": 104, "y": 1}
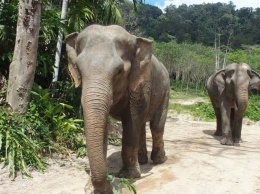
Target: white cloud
{"x": 239, "y": 3}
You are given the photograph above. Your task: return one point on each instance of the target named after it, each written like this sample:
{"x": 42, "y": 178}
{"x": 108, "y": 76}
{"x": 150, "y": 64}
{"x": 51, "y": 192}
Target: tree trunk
{"x": 227, "y": 48}
{"x": 216, "y": 56}
{"x": 217, "y": 49}
{"x": 22, "y": 68}
{"x": 219, "y": 52}
{"x": 58, "y": 48}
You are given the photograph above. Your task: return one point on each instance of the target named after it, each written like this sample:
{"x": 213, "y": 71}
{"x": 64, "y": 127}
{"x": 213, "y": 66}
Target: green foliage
{"x": 200, "y": 110}
{"x": 253, "y": 108}
{"x": 101, "y": 12}
{"x": 119, "y": 183}
{"x": 8, "y": 20}
{"x": 65, "y": 130}
{"x": 200, "y": 23}
{"x": 203, "y": 110}
{"x": 47, "y": 126}
{"x": 19, "y": 147}
{"x": 191, "y": 64}
{"x": 249, "y": 55}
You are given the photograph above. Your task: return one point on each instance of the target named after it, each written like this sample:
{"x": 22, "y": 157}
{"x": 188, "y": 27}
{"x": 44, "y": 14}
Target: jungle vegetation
{"x": 192, "y": 42}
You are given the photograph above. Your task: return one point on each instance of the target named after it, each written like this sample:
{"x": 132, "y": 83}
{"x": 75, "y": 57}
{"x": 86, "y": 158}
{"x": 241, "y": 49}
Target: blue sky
{"x": 239, "y": 3}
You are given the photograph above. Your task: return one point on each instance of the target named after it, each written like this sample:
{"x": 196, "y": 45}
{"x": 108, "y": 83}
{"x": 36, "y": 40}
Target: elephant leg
{"x": 225, "y": 121}
{"x": 232, "y": 119}
{"x": 237, "y": 128}
{"x": 157, "y": 129}
{"x": 218, "y": 132}
{"x": 142, "y": 152}
{"x": 130, "y": 142}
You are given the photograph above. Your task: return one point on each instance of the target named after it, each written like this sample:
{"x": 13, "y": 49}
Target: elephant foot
{"x": 158, "y": 156}
{"x": 101, "y": 191}
{"x": 218, "y": 133}
{"x": 237, "y": 140}
{"x": 106, "y": 188}
{"x": 142, "y": 158}
{"x": 129, "y": 172}
{"x": 226, "y": 141}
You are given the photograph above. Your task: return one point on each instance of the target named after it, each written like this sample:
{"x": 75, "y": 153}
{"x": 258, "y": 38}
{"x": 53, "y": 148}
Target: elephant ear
{"x": 219, "y": 80}
{"x": 255, "y": 80}
{"x": 70, "y": 41}
{"x": 141, "y": 62}
{"x": 144, "y": 51}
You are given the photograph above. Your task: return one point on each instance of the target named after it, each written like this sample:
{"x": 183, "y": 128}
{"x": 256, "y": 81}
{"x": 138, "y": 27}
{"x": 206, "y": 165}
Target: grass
{"x": 179, "y": 95}
{"x": 196, "y": 104}
{"x": 202, "y": 109}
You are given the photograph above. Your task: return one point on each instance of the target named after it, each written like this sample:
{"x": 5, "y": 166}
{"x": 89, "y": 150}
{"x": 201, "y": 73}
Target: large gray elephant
{"x": 120, "y": 77}
{"x": 228, "y": 92}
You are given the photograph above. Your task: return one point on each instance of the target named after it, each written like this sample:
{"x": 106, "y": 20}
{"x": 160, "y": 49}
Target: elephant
{"x": 228, "y": 92}
{"x": 120, "y": 77}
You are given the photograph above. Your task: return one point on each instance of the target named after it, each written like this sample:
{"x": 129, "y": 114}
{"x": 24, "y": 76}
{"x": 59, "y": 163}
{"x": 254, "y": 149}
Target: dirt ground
{"x": 197, "y": 163}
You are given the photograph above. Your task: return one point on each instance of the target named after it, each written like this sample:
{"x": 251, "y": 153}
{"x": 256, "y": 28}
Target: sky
{"x": 238, "y": 3}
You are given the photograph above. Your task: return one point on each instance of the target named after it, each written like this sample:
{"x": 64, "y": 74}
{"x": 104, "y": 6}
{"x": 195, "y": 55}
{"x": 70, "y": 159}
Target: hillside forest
{"x": 192, "y": 42}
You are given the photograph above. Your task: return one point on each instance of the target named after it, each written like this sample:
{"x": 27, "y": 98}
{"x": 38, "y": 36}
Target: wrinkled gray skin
{"x": 120, "y": 77}
{"x": 228, "y": 92}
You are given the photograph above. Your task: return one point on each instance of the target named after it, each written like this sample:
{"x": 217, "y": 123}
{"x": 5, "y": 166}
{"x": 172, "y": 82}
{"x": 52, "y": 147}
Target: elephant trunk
{"x": 241, "y": 99}
{"x": 96, "y": 101}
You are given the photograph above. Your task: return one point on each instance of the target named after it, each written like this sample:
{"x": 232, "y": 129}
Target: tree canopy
{"x": 199, "y": 23}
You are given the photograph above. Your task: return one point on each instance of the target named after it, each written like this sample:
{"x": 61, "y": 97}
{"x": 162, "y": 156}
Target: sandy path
{"x": 197, "y": 163}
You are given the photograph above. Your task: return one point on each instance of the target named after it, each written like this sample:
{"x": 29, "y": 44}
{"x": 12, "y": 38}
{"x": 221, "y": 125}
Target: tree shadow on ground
{"x": 211, "y": 133}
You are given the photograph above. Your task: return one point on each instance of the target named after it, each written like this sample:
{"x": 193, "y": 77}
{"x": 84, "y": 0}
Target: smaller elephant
{"x": 228, "y": 92}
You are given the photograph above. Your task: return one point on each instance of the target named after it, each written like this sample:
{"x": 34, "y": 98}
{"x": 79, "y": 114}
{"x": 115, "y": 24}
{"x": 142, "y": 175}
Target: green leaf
{"x": 7, "y": 143}
{"x": 67, "y": 105}
{"x": 1, "y": 138}
{"x": 35, "y": 93}
{"x": 57, "y": 109}
{"x": 45, "y": 96}
{"x": 78, "y": 120}
{"x": 116, "y": 191}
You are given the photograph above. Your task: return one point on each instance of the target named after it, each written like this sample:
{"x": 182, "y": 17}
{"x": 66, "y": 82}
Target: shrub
{"x": 119, "y": 183}
{"x": 19, "y": 146}
{"x": 253, "y": 108}
{"x": 47, "y": 126}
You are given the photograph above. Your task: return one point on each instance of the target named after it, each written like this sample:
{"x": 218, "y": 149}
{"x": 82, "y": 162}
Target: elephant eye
{"x": 120, "y": 71}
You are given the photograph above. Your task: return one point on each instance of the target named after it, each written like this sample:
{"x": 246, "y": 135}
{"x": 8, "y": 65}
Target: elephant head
{"x": 237, "y": 80}
{"x": 107, "y": 62}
